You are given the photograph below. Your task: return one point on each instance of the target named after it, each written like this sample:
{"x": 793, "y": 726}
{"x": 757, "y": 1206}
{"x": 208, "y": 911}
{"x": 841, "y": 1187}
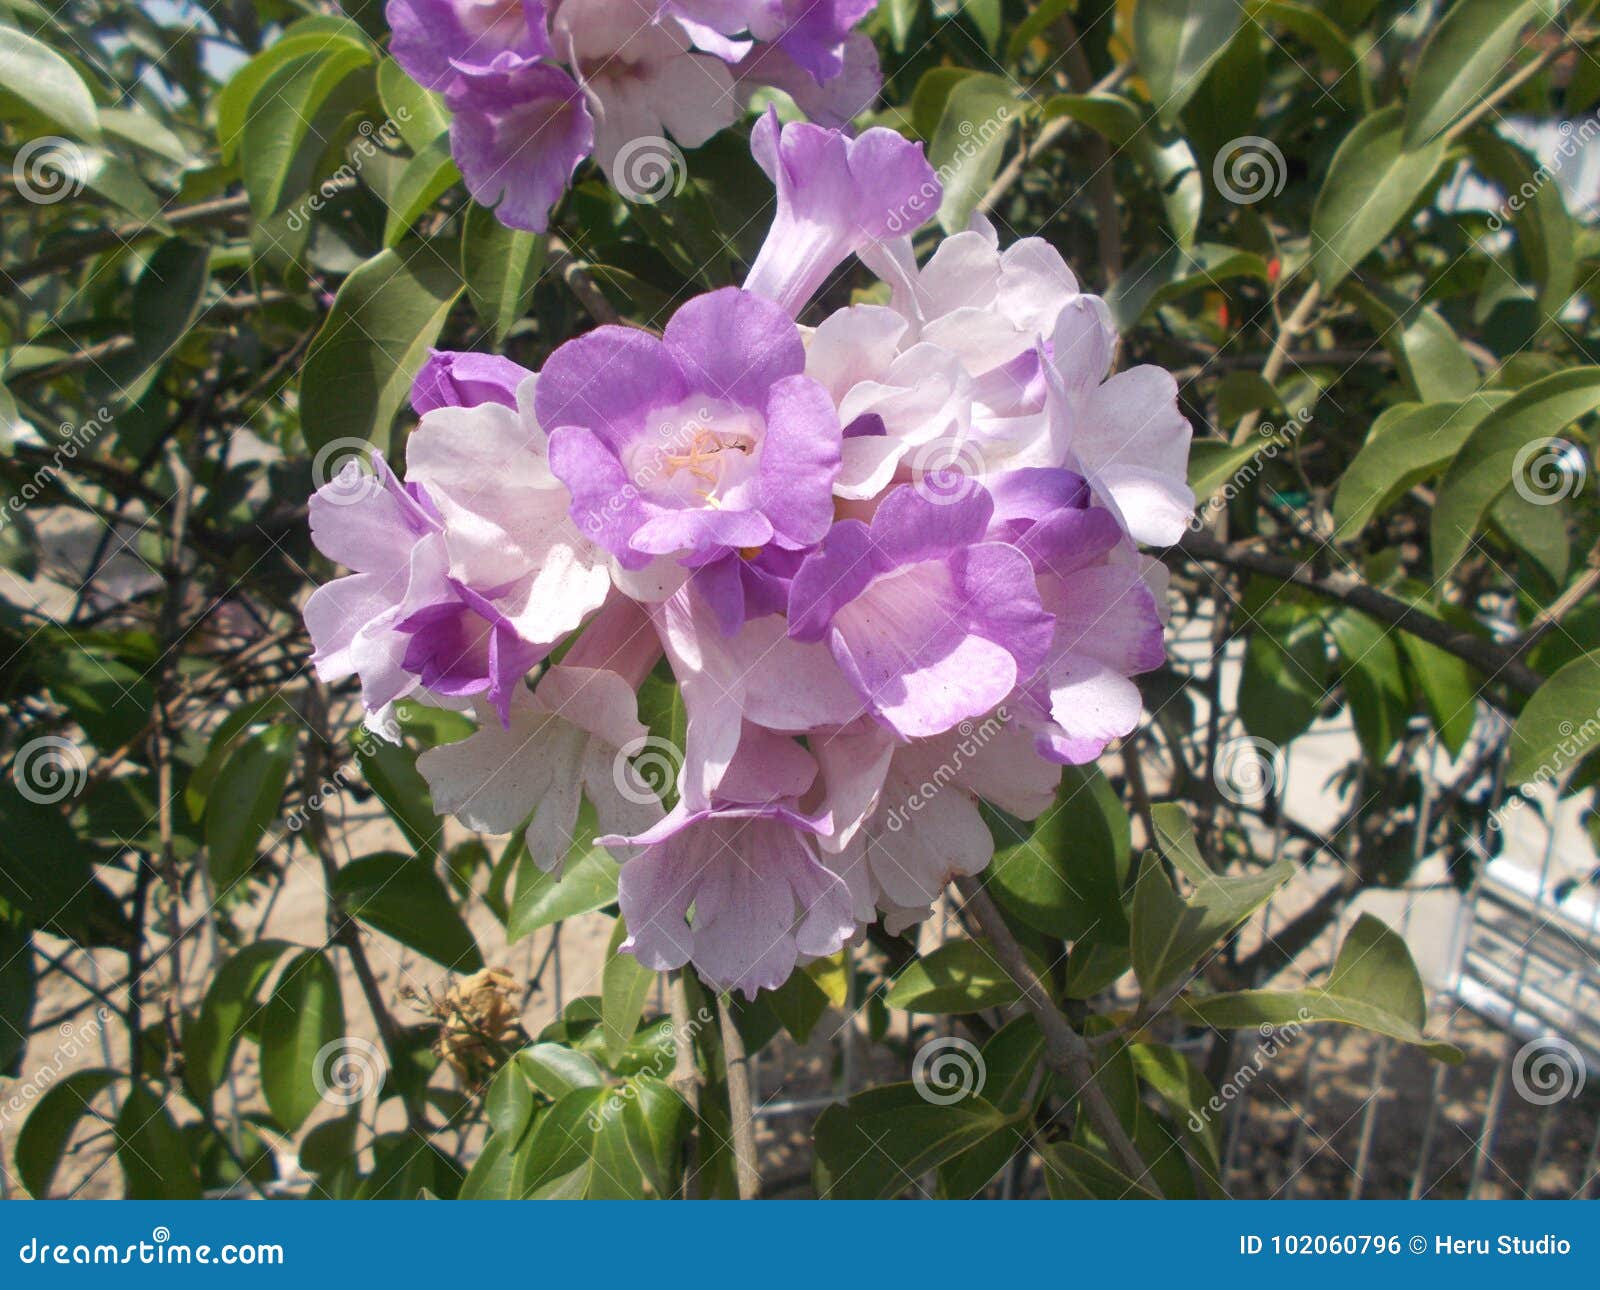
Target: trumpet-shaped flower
{"x": 707, "y": 441}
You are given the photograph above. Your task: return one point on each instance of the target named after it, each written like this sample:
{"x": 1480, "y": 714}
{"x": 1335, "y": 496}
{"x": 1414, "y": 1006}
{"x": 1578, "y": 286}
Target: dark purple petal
{"x": 517, "y": 135}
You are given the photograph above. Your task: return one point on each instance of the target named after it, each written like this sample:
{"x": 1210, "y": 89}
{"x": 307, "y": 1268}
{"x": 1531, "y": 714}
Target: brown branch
{"x": 1066, "y": 1051}
{"x": 737, "y": 1064}
{"x": 1496, "y": 662}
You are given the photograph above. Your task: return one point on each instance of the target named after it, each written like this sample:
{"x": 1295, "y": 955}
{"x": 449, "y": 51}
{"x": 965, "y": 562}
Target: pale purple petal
{"x": 451, "y": 379}
{"x": 835, "y": 195}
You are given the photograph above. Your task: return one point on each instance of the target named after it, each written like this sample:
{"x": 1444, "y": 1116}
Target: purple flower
{"x": 835, "y": 196}
{"x": 643, "y": 79}
{"x": 389, "y": 533}
{"x": 457, "y": 379}
{"x": 736, "y": 887}
{"x": 932, "y": 623}
{"x": 704, "y": 442}
{"x": 812, "y": 32}
{"x": 464, "y": 645}
{"x": 837, "y": 102}
{"x": 433, "y": 39}
{"x": 518, "y": 133}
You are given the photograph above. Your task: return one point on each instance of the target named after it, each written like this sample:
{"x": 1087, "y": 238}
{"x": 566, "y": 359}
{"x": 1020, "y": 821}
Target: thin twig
{"x": 1065, "y": 1049}
{"x": 740, "y": 1111}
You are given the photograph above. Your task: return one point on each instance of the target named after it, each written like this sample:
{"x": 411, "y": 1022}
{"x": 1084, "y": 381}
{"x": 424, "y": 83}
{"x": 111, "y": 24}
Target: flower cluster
{"x": 890, "y": 560}
{"x": 534, "y": 87}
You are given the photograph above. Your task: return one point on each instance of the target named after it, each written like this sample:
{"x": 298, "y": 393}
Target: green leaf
{"x": 883, "y": 1140}
{"x": 1559, "y": 726}
{"x": 402, "y": 897}
{"x": 156, "y": 1161}
{"x": 556, "y": 1070}
{"x": 418, "y": 113}
{"x": 16, "y": 992}
{"x": 605, "y": 1144}
{"x": 48, "y": 1128}
{"x": 1009, "y": 1064}
{"x": 624, "y": 987}
{"x": 1161, "y": 276}
{"x": 1374, "y": 986}
{"x": 1407, "y": 444}
{"x": 1074, "y": 1172}
{"x": 960, "y": 976}
{"x": 1372, "y": 184}
{"x": 1373, "y": 680}
{"x": 1429, "y": 355}
{"x": 1489, "y": 461}
{"x": 1546, "y": 233}
{"x": 291, "y": 119}
{"x": 221, "y": 744}
{"x": 1465, "y": 55}
{"x": 302, "y": 1018}
{"x": 1036, "y": 24}
{"x": 502, "y": 266}
{"x": 358, "y": 371}
{"x": 798, "y": 1003}
{"x": 45, "y": 86}
{"x": 301, "y": 40}
{"x": 968, "y": 143}
{"x": 1448, "y": 685}
{"x": 586, "y": 884}
{"x": 246, "y": 797}
{"x": 391, "y": 772}
{"x": 1176, "y": 41}
{"x": 209, "y": 1036}
{"x": 167, "y": 297}
{"x": 1329, "y": 40}
{"x": 1171, "y": 935}
{"x": 1065, "y": 876}
{"x": 1285, "y": 671}
{"x": 1163, "y": 154}
{"x": 427, "y": 177}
